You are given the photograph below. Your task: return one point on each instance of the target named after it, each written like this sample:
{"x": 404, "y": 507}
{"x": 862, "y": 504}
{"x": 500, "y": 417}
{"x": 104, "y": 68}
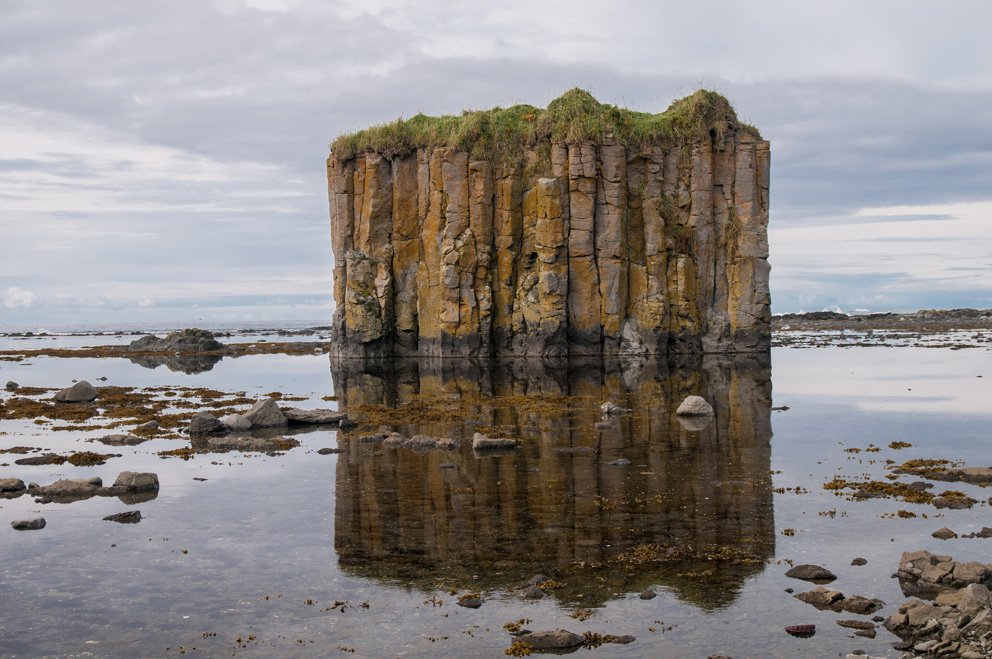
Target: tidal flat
{"x": 367, "y": 549}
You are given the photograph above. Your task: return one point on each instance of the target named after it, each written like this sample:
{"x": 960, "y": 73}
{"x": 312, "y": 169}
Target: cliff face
{"x": 580, "y": 229}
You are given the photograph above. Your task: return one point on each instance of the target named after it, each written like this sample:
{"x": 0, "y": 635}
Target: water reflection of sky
{"x": 387, "y": 527}
{"x": 892, "y": 379}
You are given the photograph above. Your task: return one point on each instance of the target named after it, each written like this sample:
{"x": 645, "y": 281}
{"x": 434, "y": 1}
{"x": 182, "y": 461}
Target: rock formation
{"x": 579, "y": 229}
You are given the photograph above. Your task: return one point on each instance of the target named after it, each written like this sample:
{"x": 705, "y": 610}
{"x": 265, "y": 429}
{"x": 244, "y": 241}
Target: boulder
{"x": 187, "y": 340}
{"x": 236, "y": 422}
{"x": 648, "y": 594}
{"x": 81, "y": 392}
{"x": 72, "y": 488}
{"x": 9, "y": 485}
{"x": 813, "y": 573}
{"x": 11, "y": 385}
{"x": 32, "y": 524}
{"x": 968, "y": 600}
{"x": 266, "y": 414}
{"x": 205, "y": 423}
{"x": 558, "y": 639}
{"x": 694, "y": 406}
{"x": 150, "y": 425}
{"x": 134, "y": 481}
{"x": 944, "y": 533}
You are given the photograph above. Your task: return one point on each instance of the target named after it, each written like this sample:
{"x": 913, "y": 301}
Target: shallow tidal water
{"x": 365, "y": 552}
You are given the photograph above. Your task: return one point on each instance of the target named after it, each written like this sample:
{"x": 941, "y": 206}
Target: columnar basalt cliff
{"x": 579, "y": 229}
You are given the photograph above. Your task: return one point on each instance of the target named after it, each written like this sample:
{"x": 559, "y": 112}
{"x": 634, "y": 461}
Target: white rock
{"x": 694, "y": 406}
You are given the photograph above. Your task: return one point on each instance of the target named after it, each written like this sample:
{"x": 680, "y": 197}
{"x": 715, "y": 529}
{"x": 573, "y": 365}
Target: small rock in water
{"x": 944, "y": 533}
{"x": 11, "y": 485}
{"x": 151, "y": 425}
{"x": 330, "y": 451}
{"x": 32, "y": 524}
{"x": 859, "y": 561}
{"x": 205, "y": 423}
{"x": 347, "y": 424}
{"x": 648, "y": 594}
{"x": 811, "y": 573}
{"x": 122, "y": 440}
{"x": 127, "y": 517}
{"x": 859, "y": 604}
{"x": 532, "y": 592}
{"x": 801, "y": 631}
{"x": 559, "y": 639}
{"x": 694, "y": 406}
{"x": 620, "y": 463}
{"x": 470, "y": 602}
{"x": 11, "y": 385}
{"x": 134, "y": 480}
{"x": 820, "y": 596}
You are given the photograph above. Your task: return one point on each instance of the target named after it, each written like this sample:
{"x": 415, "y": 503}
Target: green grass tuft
{"x": 501, "y": 135}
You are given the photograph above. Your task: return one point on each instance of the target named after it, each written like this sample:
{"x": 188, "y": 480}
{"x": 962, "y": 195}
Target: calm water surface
{"x": 303, "y": 554}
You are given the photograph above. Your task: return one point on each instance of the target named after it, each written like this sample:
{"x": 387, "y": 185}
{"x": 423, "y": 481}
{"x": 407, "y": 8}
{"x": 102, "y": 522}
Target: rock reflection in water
{"x": 556, "y": 505}
{"x": 189, "y": 363}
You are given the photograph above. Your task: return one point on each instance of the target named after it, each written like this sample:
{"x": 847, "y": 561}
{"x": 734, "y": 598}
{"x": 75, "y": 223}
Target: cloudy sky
{"x": 164, "y": 160}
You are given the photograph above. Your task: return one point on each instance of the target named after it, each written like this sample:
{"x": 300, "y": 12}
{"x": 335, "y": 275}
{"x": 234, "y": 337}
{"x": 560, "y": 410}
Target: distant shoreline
{"x": 925, "y": 319}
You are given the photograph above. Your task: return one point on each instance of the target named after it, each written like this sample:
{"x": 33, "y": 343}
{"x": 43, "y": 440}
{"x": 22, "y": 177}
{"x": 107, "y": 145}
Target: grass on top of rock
{"x": 501, "y": 135}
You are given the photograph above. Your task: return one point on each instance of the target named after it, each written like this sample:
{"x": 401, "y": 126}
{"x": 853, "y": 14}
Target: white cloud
{"x": 16, "y": 298}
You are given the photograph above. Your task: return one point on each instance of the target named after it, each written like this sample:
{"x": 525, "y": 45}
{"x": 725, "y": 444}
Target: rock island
{"x": 579, "y": 229}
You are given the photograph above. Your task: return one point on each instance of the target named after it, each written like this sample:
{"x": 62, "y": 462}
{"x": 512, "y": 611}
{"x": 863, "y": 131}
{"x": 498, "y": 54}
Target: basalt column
{"x": 599, "y": 242}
